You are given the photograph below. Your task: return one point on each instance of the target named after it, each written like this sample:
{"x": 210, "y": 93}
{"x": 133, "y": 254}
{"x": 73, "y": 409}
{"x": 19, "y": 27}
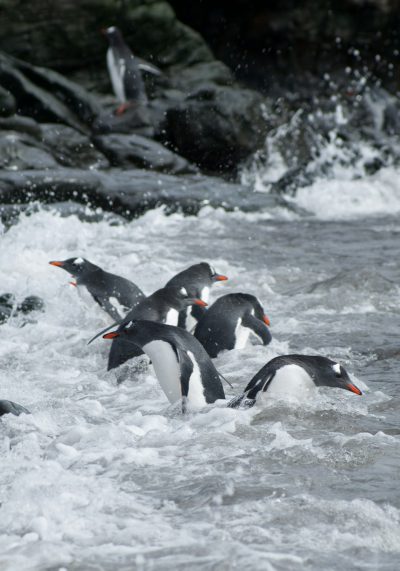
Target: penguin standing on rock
{"x": 115, "y": 294}
{"x": 9, "y": 407}
{"x": 163, "y": 306}
{"x": 229, "y": 322}
{"x": 124, "y": 70}
{"x": 294, "y": 375}
{"x": 197, "y": 279}
{"x": 183, "y": 368}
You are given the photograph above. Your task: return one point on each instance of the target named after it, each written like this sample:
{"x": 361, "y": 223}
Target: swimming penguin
{"x": 182, "y": 366}
{"x": 294, "y": 375}
{"x": 124, "y": 71}
{"x": 116, "y": 295}
{"x": 9, "y": 407}
{"x": 197, "y": 279}
{"x": 163, "y": 306}
{"x": 228, "y": 323}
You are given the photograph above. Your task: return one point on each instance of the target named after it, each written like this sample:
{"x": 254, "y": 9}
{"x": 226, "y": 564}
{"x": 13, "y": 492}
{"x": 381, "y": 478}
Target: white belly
{"x": 172, "y": 317}
{"x": 116, "y": 76}
{"x": 196, "y": 396}
{"x": 291, "y": 381}
{"x": 241, "y": 335}
{"x": 205, "y": 294}
{"x": 166, "y": 367}
{"x": 191, "y": 322}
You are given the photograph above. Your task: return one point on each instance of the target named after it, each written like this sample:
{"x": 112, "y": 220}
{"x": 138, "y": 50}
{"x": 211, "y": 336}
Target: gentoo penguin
{"x": 294, "y": 375}
{"x": 163, "y": 306}
{"x": 124, "y": 71}
{"x": 116, "y": 295}
{"x": 197, "y": 279}
{"x": 229, "y": 321}
{"x": 182, "y": 366}
{"x": 9, "y": 407}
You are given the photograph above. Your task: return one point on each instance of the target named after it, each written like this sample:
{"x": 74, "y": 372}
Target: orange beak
{"x": 220, "y": 278}
{"x": 200, "y": 302}
{"x": 266, "y": 320}
{"x": 58, "y": 264}
{"x": 353, "y": 389}
{"x": 111, "y": 335}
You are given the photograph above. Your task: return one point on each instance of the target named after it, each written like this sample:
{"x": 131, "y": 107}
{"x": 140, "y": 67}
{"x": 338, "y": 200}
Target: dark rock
{"x": 6, "y": 306}
{"x": 21, "y": 124}
{"x": 191, "y": 78}
{"x": 31, "y": 303}
{"x": 217, "y": 127}
{"x": 136, "y": 119}
{"x": 8, "y": 105}
{"x": 21, "y": 151}
{"x": 71, "y": 148}
{"x": 129, "y": 193}
{"x": 136, "y": 151}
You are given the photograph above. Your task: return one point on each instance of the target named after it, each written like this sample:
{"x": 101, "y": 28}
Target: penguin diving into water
{"x": 115, "y": 294}
{"x": 228, "y": 323}
{"x": 197, "y": 279}
{"x": 125, "y": 71}
{"x": 294, "y": 375}
{"x": 162, "y": 306}
{"x": 182, "y": 366}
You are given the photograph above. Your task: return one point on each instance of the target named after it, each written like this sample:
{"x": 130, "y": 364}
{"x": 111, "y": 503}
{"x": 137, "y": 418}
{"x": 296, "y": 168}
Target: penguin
{"x": 114, "y": 294}
{"x": 9, "y": 407}
{"x": 228, "y": 323}
{"x": 182, "y": 366}
{"x": 124, "y": 71}
{"x": 294, "y": 375}
{"x": 197, "y": 279}
{"x": 163, "y": 306}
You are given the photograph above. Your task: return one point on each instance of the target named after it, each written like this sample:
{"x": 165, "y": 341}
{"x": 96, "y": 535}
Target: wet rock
{"x": 8, "y": 104}
{"x": 31, "y": 303}
{"x": 217, "y": 127}
{"x": 129, "y": 193}
{"x": 22, "y": 151}
{"x": 136, "y": 151}
{"x": 71, "y": 148}
{"x": 9, "y": 307}
{"x": 135, "y": 119}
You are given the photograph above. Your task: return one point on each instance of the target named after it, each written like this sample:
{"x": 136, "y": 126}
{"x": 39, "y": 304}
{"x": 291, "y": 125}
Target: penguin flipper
{"x": 258, "y": 327}
{"x": 104, "y": 331}
{"x": 186, "y": 368}
{"x": 121, "y": 351}
{"x": 108, "y": 307}
{"x": 148, "y": 67}
{"x": 241, "y": 402}
{"x": 9, "y": 407}
{"x": 258, "y": 383}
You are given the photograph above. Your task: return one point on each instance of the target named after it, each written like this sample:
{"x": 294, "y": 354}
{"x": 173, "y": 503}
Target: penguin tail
{"x": 241, "y": 402}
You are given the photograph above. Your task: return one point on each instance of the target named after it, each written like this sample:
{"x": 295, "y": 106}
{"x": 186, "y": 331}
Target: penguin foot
{"x": 122, "y": 108}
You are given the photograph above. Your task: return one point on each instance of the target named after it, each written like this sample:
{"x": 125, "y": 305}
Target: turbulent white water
{"x": 105, "y": 478}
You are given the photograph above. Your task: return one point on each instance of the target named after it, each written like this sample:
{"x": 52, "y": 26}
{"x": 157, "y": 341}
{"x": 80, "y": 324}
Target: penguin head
{"x": 113, "y": 34}
{"x": 77, "y": 267}
{"x": 215, "y": 276}
{"x": 178, "y": 297}
{"x": 258, "y": 310}
{"x": 328, "y": 373}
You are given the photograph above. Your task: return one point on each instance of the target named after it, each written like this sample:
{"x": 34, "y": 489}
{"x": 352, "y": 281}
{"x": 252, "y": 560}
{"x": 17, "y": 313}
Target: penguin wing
{"x": 259, "y": 383}
{"x": 9, "y": 407}
{"x": 186, "y": 368}
{"x": 258, "y": 327}
{"x": 148, "y": 67}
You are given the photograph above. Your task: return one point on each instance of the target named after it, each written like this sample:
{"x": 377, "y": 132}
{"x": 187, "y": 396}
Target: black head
{"x": 114, "y": 35}
{"x": 258, "y": 309}
{"x": 178, "y": 297}
{"x": 77, "y": 267}
{"x": 197, "y": 277}
{"x": 328, "y": 373}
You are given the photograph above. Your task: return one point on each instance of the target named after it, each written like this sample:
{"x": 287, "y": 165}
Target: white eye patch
{"x": 79, "y": 261}
{"x": 213, "y": 270}
{"x": 336, "y": 368}
{"x": 111, "y": 29}
{"x": 183, "y": 291}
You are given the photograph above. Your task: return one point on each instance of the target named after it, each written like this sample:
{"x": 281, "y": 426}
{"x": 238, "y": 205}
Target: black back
{"x": 142, "y": 332}
{"x": 155, "y": 307}
{"x": 216, "y": 329}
